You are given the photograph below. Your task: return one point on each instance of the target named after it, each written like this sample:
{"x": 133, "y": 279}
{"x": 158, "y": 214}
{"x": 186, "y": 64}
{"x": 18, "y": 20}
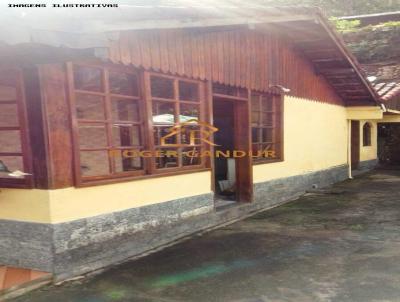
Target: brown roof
{"x": 307, "y": 28}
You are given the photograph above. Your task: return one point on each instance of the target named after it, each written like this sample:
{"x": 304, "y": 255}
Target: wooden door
{"x": 355, "y": 144}
{"x": 244, "y": 165}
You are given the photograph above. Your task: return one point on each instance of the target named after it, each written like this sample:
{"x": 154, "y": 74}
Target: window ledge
{"x": 106, "y": 181}
{"x": 265, "y": 162}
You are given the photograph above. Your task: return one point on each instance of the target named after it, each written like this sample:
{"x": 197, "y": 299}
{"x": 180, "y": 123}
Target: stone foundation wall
{"x": 73, "y": 248}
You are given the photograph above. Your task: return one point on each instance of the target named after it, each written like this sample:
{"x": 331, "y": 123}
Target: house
{"x": 88, "y": 102}
{"x": 374, "y": 44}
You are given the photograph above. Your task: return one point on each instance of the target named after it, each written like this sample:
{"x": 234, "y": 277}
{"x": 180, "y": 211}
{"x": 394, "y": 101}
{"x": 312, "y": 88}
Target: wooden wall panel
{"x": 57, "y": 125}
{"x": 244, "y": 58}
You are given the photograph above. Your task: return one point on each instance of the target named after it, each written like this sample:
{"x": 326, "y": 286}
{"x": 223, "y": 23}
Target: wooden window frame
{"x": 26, "y": 154}
{"x": 145, "y": 106}
{"x": 276, "y": 127}
{"x": 367, "y": 134}
{"x": 176, "y": 101}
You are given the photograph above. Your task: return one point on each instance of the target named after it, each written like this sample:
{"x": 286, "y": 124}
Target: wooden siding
{"x": 245, "y": 58}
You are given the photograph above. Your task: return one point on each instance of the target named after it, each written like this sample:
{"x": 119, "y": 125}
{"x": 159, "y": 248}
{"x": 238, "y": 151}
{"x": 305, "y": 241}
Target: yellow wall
{"x": 315, "y": 138}
{"x": 25, "y": 205}
{"x": 68, "y": 204}
{"x": 369, "y": 152}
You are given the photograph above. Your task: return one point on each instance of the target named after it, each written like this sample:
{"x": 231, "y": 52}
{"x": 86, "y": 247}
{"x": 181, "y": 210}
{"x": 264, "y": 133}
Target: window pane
{"x": 92, "y": 136}
{"x": 89, "y": 107}
{"x": 267, "y": 135}
{"x": 191, "y": 156}
{"x": 163, "y": 113}
{"x": 12, "y": 163}
{"x": 162, "y": 87}
{"x": 7, "y": 93}
{"x": 126, "y": 135}
{"x": 94, "y": 163}
{"x": 123, "y": 83}
{"x": 8, "y": 115}
{"x": 189, "y": 112}
{"x": 266, "y": 103}
{"x": 88, "y": 78}
{"x": 255, "y": 103}
{"x": 190, "y": 133}
{"x": 127, "y": 163}
{"x": 255, "y": 117}
{"x": 169, "y": 160}
{"x": 160, "y": 132}
{"x": 267, "y": 118}
{"x": 10, "y": 141}
{"x": 188, "y": 91}
{"x": 125, "y": 110}
{"x": 255, "y": 135}
{"x": 271, "y": 148}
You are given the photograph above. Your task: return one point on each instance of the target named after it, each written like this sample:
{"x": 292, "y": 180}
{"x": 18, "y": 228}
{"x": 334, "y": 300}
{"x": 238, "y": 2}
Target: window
{"x": 367, "y": 134}
{"x": 107, "y": 110}
{"x": 266, "y": 126}
{"x": 175, "y": 101}
{"x": 112, "y": 116}
{"x": 13, "y": 139}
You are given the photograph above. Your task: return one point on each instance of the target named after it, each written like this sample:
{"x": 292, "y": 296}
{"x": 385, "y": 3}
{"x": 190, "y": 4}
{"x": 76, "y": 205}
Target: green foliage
{"x": 374, "y": 43}
{"x": 345, "y": 25}
{"x": 343, "y": 7}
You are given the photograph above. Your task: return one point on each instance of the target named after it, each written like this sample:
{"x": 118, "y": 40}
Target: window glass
{"x": 11, "y": 133}
{"x": 10, "y": 141}
{"x": 266, "y": 124}
{"x": 94, "y": 163}
{"x": 125, "y": 110}
{"x": 188, "y": 91}
{"x": 108, "y": 121}
{"x": 164, "y": 112}
{"x": 8, "y": 115}
{"x": 126, "y": 164}
{"x": 123, "y": 83}
{"x": 92, "y": 135}
{"x": 189, "y": 112}
{"x": 160, "y": 132}
{"x": 169, "y": 158}
{"x": 88, "y": 78}
{"x": 89, "y": 107}
{"x": 12, "y": 163}
{"x": 162, "y": 87}
{"x": 126, "y": 135}
{"x": 191, "y": 157}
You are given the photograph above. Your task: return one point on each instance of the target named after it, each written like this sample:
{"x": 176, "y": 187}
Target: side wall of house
{"x": 369, "y": 154}
{"x": 315, "y": 139}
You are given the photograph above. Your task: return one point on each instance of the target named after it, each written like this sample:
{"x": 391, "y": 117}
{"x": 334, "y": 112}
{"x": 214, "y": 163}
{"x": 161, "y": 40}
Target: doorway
{"x": 355, "y": 144}
{"x": 232, "y": 175}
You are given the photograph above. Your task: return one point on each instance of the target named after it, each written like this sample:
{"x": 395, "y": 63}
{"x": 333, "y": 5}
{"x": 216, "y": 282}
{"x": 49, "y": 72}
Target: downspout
{"x": 349, "y": 149}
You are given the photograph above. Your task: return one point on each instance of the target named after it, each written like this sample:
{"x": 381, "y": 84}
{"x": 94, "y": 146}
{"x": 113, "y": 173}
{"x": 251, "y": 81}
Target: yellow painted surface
{"x": 74, "y": 203}
{"x": 25, "y": 205}
{"x": 390, "y": 118}
{"x": 364, "y": 113}
{"x": 53, "y": 206}
{"x": 369, "y": 152}
{"x": 315, "y": 138}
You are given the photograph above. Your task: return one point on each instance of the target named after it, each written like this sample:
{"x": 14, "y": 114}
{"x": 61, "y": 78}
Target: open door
{"x": 232, "y": 176}
{"x": 355, "y": 144}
